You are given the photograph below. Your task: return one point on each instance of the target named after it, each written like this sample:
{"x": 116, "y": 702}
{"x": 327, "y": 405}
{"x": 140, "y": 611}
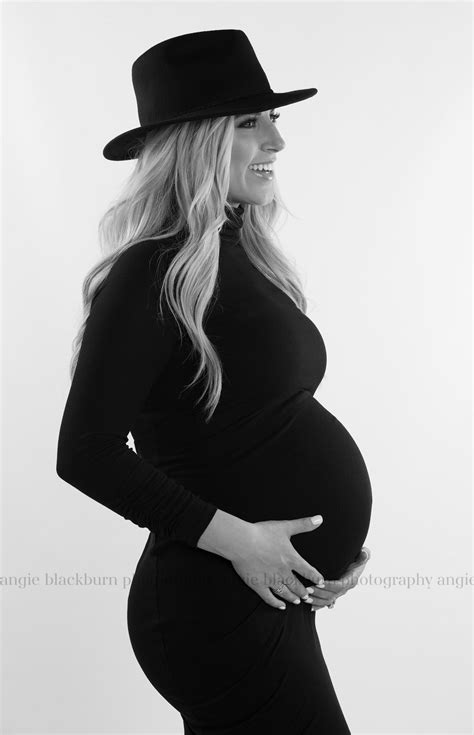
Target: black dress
{"x": 226, "y": 660}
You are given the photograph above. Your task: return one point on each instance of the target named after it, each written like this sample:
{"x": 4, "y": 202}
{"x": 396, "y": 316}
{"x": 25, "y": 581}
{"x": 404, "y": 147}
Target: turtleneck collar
{"x": 232, "y": 228}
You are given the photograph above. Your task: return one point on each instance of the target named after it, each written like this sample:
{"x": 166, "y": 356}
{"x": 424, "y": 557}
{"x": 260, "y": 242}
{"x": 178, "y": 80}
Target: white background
{"x": 376, "y": 172}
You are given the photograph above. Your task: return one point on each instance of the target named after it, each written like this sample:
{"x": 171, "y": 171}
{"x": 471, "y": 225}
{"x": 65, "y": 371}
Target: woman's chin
{"x": 258, "y": 198}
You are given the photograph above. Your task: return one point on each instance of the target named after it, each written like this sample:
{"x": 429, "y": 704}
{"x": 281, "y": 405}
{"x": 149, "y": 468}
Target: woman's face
{"x": 256, "y": 140}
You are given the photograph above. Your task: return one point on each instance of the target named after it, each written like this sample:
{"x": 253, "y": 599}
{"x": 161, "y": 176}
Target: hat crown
{"x": 194, "y": 76}
{"x": 223, "y": 62}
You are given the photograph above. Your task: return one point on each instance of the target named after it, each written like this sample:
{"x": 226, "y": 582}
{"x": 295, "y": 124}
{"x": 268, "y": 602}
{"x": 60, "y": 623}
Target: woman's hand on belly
{"x": 270, "y": 558}
{"x": 338, "y": 587}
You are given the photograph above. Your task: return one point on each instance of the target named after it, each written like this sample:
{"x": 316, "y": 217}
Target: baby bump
{"x": 304, "y": 465}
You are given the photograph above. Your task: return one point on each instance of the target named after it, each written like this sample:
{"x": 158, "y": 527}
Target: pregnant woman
{"x": 197, "y": 343}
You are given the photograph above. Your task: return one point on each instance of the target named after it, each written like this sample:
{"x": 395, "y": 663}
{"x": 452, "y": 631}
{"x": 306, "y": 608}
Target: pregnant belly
{"x": 295, "y": 462}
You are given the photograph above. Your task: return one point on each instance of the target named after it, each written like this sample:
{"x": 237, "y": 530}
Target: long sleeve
{"x": 124, "y": 351}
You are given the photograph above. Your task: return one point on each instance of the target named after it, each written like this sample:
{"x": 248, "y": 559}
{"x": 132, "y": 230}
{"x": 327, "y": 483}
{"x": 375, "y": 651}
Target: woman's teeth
{"x": 262, "y": 173}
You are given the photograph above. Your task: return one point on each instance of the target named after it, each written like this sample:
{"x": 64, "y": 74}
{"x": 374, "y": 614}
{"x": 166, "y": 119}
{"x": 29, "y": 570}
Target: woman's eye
{"x": 274, "y": 117}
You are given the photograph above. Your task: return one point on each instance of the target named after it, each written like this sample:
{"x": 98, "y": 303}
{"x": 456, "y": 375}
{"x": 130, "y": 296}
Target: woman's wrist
{"x": 227, "y": 536}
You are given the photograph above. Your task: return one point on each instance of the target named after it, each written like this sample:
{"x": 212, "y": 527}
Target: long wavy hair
{"x": 180, "y": 184}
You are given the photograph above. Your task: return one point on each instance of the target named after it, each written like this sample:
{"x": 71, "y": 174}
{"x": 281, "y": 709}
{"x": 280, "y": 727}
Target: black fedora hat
{"x": 195, "y": 76}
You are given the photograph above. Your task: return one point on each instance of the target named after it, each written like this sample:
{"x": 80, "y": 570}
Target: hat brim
{"x": 126, "y": 146}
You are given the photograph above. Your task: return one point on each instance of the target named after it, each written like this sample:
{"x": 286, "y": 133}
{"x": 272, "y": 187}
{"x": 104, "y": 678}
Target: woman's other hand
{"x": 338, "y": 587}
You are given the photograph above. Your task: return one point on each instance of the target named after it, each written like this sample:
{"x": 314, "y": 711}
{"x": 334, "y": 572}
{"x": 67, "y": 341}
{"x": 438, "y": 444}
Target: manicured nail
{"x": 310, "y": 599}
{"x": 310, "y": 589}
{"x": 321, "y": 583}
{"x": 282, "y": 607}
{"x": 297, "y": 601}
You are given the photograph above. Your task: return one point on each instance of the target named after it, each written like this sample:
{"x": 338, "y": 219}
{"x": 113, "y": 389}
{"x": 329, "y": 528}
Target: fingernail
{"x": 321, "y": 583}
{"x": 282, "y": 607}
{"x": 310, "y": 599}
{"x": 310, "y": 589}
{"x": 297, "y": 601}
{"x": 316, "y": 519}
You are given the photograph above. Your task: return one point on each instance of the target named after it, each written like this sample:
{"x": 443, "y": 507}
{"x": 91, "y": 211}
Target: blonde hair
{"x": 180, "y": 183}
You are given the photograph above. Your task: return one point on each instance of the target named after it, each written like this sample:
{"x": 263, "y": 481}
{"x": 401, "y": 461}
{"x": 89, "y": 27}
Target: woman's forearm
{"x": 227, "y": 536}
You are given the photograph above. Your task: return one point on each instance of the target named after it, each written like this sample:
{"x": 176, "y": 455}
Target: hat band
{"x": 216, "y": 103}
